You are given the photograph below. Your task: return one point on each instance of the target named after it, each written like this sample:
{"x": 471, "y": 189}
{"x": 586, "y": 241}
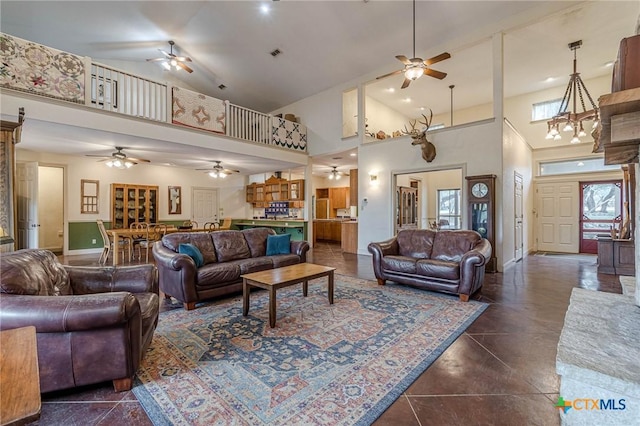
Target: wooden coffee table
{"x": 274, "y": 279}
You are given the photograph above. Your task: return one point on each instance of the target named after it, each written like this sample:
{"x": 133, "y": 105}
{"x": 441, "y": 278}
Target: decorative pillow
{"x": 193, "y": 252}
{"x": 278, "y": 244}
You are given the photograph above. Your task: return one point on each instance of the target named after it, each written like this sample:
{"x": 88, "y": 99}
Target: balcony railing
{"x": 44, "y": 71}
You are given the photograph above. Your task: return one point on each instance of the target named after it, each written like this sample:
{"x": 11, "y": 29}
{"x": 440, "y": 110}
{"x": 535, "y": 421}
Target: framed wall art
{"x": 175, "y": 200}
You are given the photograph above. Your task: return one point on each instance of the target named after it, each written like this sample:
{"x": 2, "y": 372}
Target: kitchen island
{"x": 297, "y": 228}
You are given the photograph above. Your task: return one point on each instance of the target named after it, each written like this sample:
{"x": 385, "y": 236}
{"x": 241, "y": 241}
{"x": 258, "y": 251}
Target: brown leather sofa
{"x": 446, "y": 261}
{"x": 227, "y": 255}
{"x": 93, "y": 324}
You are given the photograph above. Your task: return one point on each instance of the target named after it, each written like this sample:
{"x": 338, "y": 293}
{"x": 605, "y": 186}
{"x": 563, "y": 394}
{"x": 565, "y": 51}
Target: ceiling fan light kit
{"x": 171, "y": 60}
{"x": 120, "y": 160}
{"x": 415, "y": 67}
{"x": 217, "y": 171}
{"x": 334, "y": 174}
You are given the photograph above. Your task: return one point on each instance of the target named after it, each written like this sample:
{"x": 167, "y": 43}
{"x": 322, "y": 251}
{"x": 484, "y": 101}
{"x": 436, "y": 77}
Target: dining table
{"x": 117, "y": 233}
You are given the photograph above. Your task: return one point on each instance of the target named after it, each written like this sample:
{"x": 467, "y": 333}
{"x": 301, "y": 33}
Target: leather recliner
{"x": 93, "y": 324}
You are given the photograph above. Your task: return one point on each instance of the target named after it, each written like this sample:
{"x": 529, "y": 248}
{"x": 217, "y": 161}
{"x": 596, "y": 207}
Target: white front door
{"x": 204, "y": 205}
{"x": 557, "y": 211}
{"x": 518, "y": 219}
{"x": 27, "y": 206}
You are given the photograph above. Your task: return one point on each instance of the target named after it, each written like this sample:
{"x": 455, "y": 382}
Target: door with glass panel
{"x": 601, "y": 208}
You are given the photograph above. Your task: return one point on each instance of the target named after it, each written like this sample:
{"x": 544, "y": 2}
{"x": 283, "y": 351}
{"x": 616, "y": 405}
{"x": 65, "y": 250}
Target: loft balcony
{"x": 50, "y": 73}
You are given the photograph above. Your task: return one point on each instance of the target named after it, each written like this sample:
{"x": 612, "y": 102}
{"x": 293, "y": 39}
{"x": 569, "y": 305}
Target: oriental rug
{"x": 340, "y": 364}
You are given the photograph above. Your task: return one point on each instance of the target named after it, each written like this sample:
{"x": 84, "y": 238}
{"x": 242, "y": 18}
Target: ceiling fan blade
{"x": 406, "y": 83}
{"x": 436, "y": 74}
{"x": 229, "y": 171}
{"x": 183, "y": 59}
{"x": 185, "y": 67}
{"x": 156, "y": 60}
{"x": 138, "y": 160}
{"x": 387, "y": 75}
{"x": 403, "y": 59}
{"x": 435, "y": 59}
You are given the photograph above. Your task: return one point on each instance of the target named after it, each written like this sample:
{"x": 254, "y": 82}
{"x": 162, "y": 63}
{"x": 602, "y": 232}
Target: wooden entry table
{"x": 19, "y": 376}
{"x": 273, "y": 279}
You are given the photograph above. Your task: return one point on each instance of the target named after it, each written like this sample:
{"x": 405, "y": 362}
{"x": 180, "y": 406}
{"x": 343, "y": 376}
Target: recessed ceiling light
{"x": 609, "y": 64}
{"x": 391, "y": 90}
{"x": 407, "y": 100}
{"x": 549, "y": 79}
{"x": 421, "y": 108}
{"x": 353, "y": 154}
{"x": 580, "y": 164}
{"x": 265, "y": 8}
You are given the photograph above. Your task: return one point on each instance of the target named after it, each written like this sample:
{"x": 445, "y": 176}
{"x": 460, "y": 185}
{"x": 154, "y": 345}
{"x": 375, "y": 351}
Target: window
{"x": 545, "y": 110}
{"x": 436, "y": 126}
{"x": 449, "y": 209}
{"x": 579, "y": 165}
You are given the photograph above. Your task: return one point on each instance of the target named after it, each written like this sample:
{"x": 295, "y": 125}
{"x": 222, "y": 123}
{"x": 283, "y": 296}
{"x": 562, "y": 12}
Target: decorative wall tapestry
{"x": 289, "y": 134}
{"x": 33, "y": 68}
{"x": 200, "y": 111}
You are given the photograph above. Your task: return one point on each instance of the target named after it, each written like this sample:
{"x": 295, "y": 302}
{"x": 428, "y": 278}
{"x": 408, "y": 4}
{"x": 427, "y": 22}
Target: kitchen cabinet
{"x": 276, "y": 189}
{"x": 327, "y": 230}
{"x": 133, "y": 203}
{"x": 296, "y": 190}
{"x": 339, "y": 198}
{"x": 349, "y": 238}
{"x": 353, "y": 187}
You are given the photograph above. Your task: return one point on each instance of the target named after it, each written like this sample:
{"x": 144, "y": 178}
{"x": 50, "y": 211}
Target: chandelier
{"x": 572, "y": 120}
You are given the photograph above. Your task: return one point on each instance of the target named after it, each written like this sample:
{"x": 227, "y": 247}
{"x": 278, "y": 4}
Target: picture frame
{"x": 175, "y": 200}
{"x": 104, "y": 91}
{"x": 89, "y": 196}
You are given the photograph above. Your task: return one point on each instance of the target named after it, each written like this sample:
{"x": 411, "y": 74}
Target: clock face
{"x": 479, "y": 190}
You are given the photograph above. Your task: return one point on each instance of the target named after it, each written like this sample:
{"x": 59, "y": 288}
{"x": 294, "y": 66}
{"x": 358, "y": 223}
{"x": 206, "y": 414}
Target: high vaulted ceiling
{"x": 326, "y": 43}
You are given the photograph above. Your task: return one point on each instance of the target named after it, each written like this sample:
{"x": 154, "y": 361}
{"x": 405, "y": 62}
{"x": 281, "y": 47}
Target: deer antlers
{"x": 414, "y": 132}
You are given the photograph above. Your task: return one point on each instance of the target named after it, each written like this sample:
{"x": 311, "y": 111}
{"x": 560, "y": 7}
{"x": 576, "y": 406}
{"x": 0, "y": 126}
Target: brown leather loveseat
{"x": 447, "y": 261}
{"x": 226, "y": 256}
{"x": 93, "y": 324}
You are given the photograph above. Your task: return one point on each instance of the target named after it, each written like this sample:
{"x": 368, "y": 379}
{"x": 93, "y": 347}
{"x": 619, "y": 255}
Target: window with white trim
{"x": 578, "y": 165}
{"x": 545, "y": 110}
{"x": 449, "y": 209}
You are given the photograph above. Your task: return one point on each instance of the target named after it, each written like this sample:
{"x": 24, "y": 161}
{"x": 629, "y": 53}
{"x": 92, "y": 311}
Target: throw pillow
{"x": 278, "y": 244}
{"x": 193, "y": 252}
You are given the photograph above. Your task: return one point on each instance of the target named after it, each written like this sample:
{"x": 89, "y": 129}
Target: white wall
{"x": 476, "y": 149}
{"x": 381, "y": 117}
{"x": 517, "y": 157}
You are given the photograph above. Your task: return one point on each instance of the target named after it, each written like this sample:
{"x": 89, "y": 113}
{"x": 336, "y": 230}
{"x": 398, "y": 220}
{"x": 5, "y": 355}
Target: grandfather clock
{"x": 481, "y": 200}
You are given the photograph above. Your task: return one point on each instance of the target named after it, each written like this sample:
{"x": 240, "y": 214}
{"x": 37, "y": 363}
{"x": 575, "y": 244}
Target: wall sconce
{"x": 373, "y": 178}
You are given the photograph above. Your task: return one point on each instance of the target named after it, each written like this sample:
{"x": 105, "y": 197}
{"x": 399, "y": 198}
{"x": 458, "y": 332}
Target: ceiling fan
{"x": 335, "y": 174}
{"x": 217, "y": 171}
{"x": 119, "y": 159}
{"x": 170, "y": 59}
{"x": 415, "y": 67}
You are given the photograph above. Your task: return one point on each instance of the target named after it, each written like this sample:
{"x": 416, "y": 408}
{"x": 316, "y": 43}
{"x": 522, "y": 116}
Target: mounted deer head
{"x": 420, "y": 138}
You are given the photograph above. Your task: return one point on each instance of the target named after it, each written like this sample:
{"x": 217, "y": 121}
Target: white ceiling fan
{"x": 171, "y": 60}
{"x": 217, "y": 171}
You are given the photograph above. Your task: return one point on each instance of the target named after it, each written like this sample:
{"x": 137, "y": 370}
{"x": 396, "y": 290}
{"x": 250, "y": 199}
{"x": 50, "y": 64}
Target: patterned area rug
{"x": 340, "y": 364}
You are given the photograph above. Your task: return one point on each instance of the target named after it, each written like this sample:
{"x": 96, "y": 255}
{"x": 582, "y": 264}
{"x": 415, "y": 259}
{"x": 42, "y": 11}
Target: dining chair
{"x": 226, "y": 224}
{"x": 156, "y": 232}
{"x": 211, "y": 226}
{"x": 109, "y": 244}
{"x": 141, "y": 236}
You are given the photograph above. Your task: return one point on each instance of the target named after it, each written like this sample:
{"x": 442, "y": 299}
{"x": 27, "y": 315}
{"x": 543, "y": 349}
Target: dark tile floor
{"x": 501, "y": 371}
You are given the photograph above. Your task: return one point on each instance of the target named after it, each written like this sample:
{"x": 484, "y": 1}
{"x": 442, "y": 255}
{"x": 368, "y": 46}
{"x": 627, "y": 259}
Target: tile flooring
{"x": 501, "y": 371}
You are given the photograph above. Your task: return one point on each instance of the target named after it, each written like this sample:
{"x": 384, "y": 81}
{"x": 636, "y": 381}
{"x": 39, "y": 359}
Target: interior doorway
{"x": 204, "y": 205}
{"x": 428, "y": 199}
{"x": 40, "y": 206}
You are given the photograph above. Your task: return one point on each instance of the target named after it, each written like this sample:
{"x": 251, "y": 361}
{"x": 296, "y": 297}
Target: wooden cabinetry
{"x": 328, "y": 230}
{"x": 349, "y": 237}
{"x": 133, "y": 203}
{"x": 616, "y": 256}
{"x": 296, "y": 190}
{"x": 339, "y": 198}
{"x": 275, "y": 189}
{"x": 353, "y": 187}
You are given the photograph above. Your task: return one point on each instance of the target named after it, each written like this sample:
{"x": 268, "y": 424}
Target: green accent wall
{"x": 81, "y": 235}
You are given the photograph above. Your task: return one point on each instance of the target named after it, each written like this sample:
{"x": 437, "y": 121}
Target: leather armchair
{"x": 93, "y": 324}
